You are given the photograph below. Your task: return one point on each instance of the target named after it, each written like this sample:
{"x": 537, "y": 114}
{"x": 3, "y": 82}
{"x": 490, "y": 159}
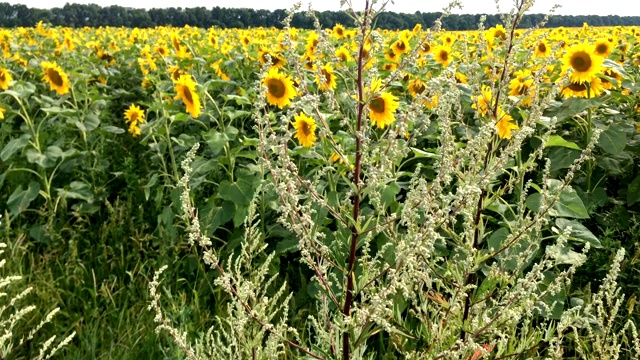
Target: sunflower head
{"x": 134, "y": 114}
{"x": 5, "y": 79}
{"x": 338, "y": 31}
{"x": 342, "y": 54}
{"x": 542, "y": 49}
{"x": 584, "y": 62}
{"x": 326, "y": 79}
{"x": 483, "y": 101}
{"x": 382, "y": 105}
{"x": 305, "y": 130}
{"x": 603, "y": 48}
{"x": 280, "y": 90}
{"x": 55, "y": 77}
{"x": 401, "y": 46}
{"x": 186, "y": 90}
{"x": 276, "y": 60}
{"x": 505, "y": 125}
{"x": 417, "y": 87}
{"x": 442, "y": 55}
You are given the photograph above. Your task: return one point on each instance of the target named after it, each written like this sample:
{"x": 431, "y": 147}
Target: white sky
{"x": 569, "y": 7}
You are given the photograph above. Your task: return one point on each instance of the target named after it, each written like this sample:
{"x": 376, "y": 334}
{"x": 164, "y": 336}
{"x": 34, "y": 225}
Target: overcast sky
{"x": 569, "y": 7}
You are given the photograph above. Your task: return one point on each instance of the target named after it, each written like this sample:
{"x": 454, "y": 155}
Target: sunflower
{"x": 175, "y": 72}
{"x": 443, "y": 55}
{"x": 1, "y": 113}
{"x": 134, "y": 114}
{"x": 401, "y": 46}
{"x": 461, "y": 78}
{"x": 417, "y": 87}
{"x": 483, "y": 101}
{"x": 391, "y": 55}
{"x": 305, "y": 130}
{"x": 342, "y": 54}
{"x": 276, "y": 60}
{"x": 312, "y": 42}
{"x": 424, "y": 48}
{"x": 55, "y": 77}
{"x": 583, "y": 61}
{"x": 326, "y": 79}
{"x": 186, "y": 90}
{"x": 338, "y": 31}
{"x": 382, "y": 106}
{"x": 448, "y": 40}
{"x": 280, "y": 88}
{"x": 603, "y": 48}
{"x": 606, "y": 84}
{"x": 505, "y": 124}
{"x": 521, "y": 86}
{"x": 5, "y": 79}
{"x": 218, "y": 70}
{"x": 161, "y": 50}
{"x": 542, "y": 49}
{"x": 497, "y": 32}
{"x": 390, "y": 66}
{"x": 584, "y": 89}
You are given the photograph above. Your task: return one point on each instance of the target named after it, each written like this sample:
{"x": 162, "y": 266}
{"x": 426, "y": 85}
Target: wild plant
{"x": 432, "y": 224}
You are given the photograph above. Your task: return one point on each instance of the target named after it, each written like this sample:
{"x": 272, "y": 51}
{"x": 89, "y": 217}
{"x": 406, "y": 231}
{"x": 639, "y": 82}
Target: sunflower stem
{"x": 356, "y": 178}
{"x": 588, "y": 138}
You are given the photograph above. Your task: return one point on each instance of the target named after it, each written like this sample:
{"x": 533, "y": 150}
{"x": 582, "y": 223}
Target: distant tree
{"x": 77, "y": 15}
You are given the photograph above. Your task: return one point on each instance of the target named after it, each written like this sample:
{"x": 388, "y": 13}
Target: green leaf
{"x": 555, "y": 140}
{"x": 633, "y": 192}
{"x": 562, "y": 157}
{"x": 77, "y": 190}
{"x": 574, "y": 106}
{"x": 113, "y": 129}
{"x": 612, "y": 140}
{"x": 13, "y": 146}
{"x": 568, "y": 204}
{"x": 389, "y": 194}
{"x": 578, "y": 232}
{"x": 216, "y": 140}
{"x": 20, "y": 199}
{"x": 147, "y": 188}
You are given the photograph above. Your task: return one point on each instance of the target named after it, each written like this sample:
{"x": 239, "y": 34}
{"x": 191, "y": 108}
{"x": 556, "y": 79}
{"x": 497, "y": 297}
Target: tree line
{"x": 79, "y": 15}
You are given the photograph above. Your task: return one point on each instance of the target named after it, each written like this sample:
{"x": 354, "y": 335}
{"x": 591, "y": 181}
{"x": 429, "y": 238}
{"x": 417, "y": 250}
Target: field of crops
{"x": 369, "y": 183}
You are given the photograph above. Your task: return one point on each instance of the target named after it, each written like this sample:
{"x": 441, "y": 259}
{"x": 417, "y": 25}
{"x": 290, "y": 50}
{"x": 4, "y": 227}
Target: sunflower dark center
{"x": 542, "y": 48}
{"x": 305, "y": 129}
{"x": 55, "y": 77}
{"x": 426, "y": 47}
{"x": 577, "y": 87}
{"x": 581, "y": 61}
{"x": 276, "y": 87}
{"x": 327, "y": 76}
{"x": 188, "y": 97}
{"x": 523, "y": 90}
{"x": 3, "y": 78}
{"x": 444, "y": 56}
{"x": 401, "y": 45}
{"x": 377, "y": 105}
{"x": 339, "y": 31}
{"x": 419, "y": 88}
{"x": 602, "y": 49}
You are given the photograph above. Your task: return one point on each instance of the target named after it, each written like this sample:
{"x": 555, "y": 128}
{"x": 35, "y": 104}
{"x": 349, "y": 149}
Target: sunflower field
{"x": 329, "y": 193}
